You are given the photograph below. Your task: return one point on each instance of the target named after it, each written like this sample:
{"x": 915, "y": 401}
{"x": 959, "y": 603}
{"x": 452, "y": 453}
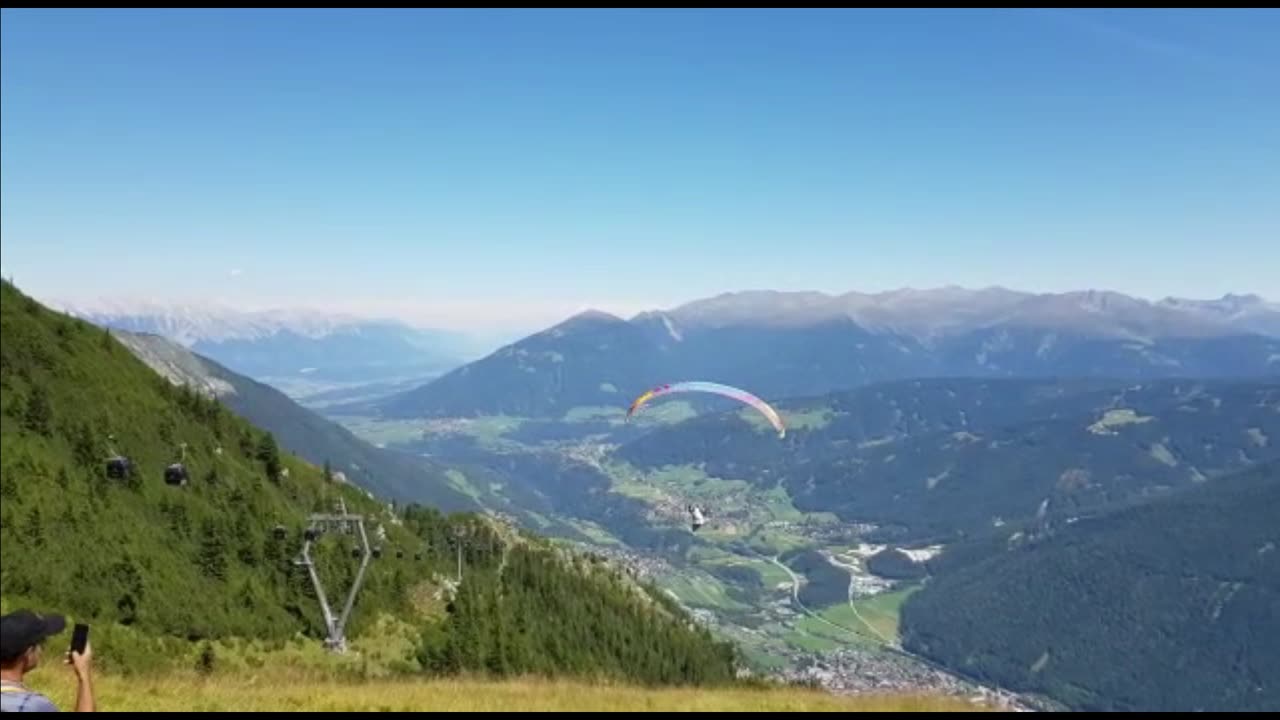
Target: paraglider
{"x": 696, "y": 517}
{"x": 709, "y": 387}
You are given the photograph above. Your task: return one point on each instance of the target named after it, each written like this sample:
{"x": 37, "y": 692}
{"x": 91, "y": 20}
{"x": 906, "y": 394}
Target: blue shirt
{"x": 16, "y": 698}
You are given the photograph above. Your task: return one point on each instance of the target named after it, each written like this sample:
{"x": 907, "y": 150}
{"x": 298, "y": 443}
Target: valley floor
{"x": 274, "y": 692}
{"x": 825, "y": 619}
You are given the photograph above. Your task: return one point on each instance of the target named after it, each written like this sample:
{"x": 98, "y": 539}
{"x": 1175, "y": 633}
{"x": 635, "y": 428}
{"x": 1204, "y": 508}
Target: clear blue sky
{"x": 514, "y": 163}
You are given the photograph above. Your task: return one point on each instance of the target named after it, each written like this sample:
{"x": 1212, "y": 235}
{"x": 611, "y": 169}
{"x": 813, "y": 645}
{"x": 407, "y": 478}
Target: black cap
{"x": 23, "y": 629}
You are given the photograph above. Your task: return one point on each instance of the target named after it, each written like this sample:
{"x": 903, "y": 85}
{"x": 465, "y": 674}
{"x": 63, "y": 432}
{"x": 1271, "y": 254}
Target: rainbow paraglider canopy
{"x": 710, "y": 387}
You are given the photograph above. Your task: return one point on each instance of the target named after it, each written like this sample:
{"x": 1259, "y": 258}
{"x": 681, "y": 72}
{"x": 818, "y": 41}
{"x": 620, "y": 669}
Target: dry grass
{"x": 276, "y": 691}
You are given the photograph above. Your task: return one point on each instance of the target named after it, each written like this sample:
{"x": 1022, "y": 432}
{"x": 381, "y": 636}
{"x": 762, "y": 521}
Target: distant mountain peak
{"x": 1230, "y": 298}
{"x": 757, "y": 306}
{"x": 596, "y": 315}
{"x": 586, "y": 319}
{"x": 1102, "y": 300}
{"x": 1249, "y": 311}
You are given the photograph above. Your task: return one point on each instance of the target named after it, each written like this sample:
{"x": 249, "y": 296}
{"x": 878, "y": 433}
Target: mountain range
{"x": 796, "y": 344}
{"x": 291, "y": 343}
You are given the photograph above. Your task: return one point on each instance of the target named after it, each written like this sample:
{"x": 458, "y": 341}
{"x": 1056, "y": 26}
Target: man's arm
{"x": 84, "y": 696}
{"x": 83, "y": 664}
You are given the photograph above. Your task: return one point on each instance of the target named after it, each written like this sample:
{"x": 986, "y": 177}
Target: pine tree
{"x": 179, "y": 524}
{"x": 269, "y": 454}
{"x": 205, "y": 662}
{"x": 127, "y": 609}
{"x": 126, "y": 577}
{"x": 39, "y": 417}
{"x": 35, "y": 528}
{"x": 84, "y": 446}
{"x": 212, "y": 560}
{"x": 9, "y": 488}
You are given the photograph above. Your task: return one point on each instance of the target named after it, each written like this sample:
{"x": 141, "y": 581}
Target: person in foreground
{"x": 22, "y": 637}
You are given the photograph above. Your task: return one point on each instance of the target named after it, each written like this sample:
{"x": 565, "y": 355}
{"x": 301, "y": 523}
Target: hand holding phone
{"x": 79, "y": 638}
{"x": 80, "y": 656}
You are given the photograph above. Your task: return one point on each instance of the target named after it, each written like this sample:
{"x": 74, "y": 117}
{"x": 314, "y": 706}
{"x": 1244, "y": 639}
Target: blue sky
{"x": 485, "y": 167}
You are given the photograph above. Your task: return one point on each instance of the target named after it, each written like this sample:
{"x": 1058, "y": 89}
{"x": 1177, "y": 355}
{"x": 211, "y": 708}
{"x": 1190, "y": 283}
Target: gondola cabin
{"x": 118, "y": 467}
{"x": 176, "y": 475}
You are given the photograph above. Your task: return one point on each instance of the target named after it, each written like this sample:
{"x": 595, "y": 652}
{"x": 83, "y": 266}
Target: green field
{"x": 874, "y": 623}
{"x": 587, "y": 413}
{"x": 639, "y": 489}
{"x": 490, "y": 431}
{"x": 665, "y": 412}
{"x": 738, "y": 508}
{"x": 844, "y": 616}
{"x": 596, "y": 533}
{"x": 884, "y": 610}
{"x": 873, "y": 619}
{"x": 765, "y": 660}
{"x": 813, "y": 634}
{"x": 383, "y": 432}
{"x": 734, "y": 501}
{"x": 778, "y": 505}
{"x": 771, "y": 575}
{"x": 812, "y": 643}
{"x": 631, "y": 482}
{"x": 770, "y": 542}
{"x": 814, "y": 419}
{"x": 698, "y": 589}
{"x": 708, "y": 554}
{"x": 695, "y": 482}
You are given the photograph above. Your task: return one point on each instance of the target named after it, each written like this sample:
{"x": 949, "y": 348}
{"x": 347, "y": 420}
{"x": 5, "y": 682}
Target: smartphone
{"x": 79, "y": 638}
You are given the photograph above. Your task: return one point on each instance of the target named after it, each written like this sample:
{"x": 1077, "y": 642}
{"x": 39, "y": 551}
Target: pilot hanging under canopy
{"x": 697, "y": 518}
